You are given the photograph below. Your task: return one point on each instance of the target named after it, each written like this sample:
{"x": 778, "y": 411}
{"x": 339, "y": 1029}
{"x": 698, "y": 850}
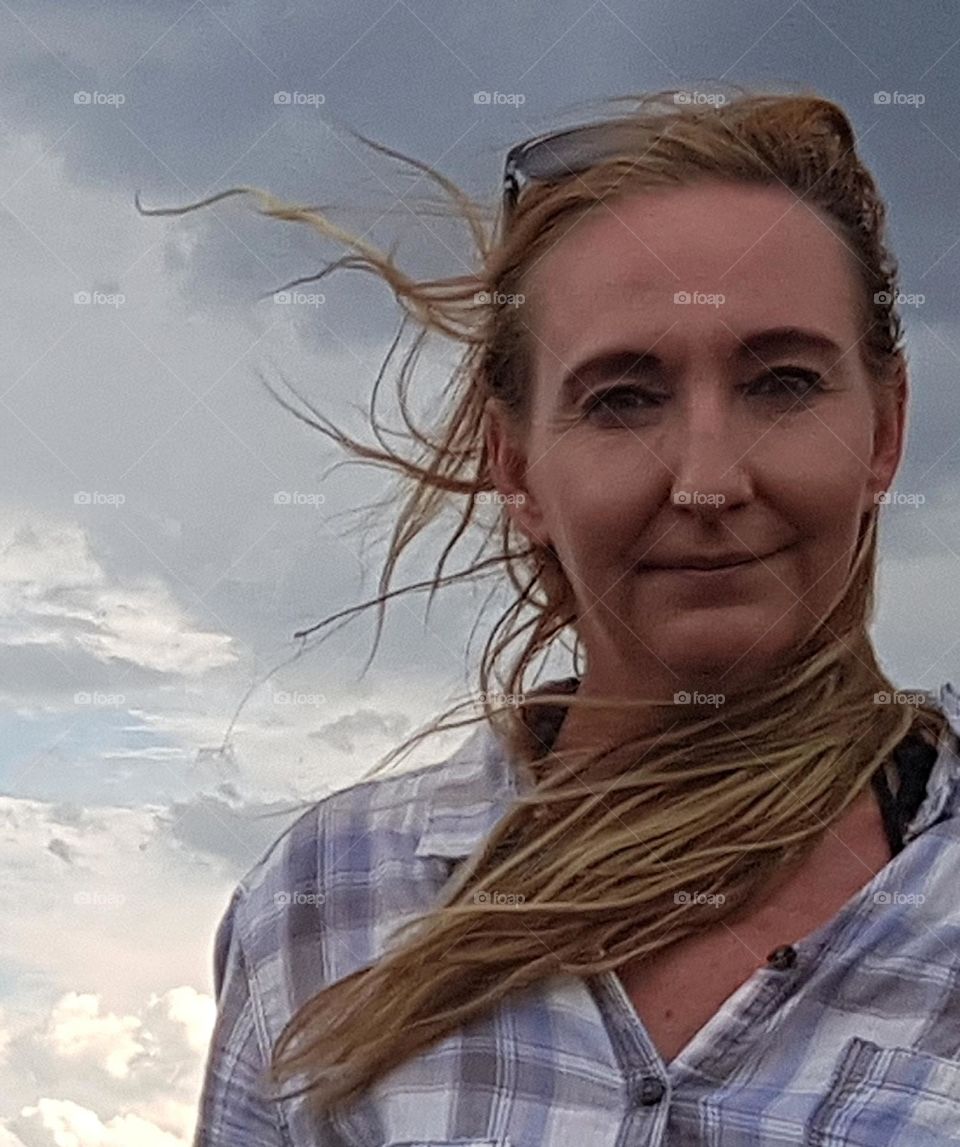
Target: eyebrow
{"x": 624, "y": 362}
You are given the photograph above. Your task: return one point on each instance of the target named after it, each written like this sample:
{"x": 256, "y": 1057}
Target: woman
{"x": 702, "y": 890}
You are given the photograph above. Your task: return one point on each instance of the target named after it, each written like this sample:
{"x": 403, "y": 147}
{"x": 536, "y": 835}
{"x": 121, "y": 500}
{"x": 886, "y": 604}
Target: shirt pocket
{"x": 895, "y": 1096}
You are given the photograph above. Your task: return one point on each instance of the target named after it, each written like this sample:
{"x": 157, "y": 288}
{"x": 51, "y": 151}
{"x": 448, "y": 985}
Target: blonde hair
{"x": 717, "y": 802}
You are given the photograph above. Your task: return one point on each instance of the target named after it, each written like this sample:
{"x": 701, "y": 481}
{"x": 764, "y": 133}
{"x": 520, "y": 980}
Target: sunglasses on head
{"x": 557, "y": 155}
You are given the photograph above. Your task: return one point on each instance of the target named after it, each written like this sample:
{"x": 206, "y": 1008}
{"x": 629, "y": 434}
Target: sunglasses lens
{"x": 571, "y": 151}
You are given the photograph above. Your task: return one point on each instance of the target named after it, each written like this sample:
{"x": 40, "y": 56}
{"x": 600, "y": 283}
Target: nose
{"x": 710, "y": 458}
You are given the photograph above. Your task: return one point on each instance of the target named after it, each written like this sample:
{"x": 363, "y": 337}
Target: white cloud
{"x": 5, "y": 1037}
{"x": 54, "y": 592}
{"x": 195, "y": 1010}
{"x": 125, "y": 1046}
{"x": 113, "y": 902}
{"x": 77, "y": 1028}
{"x": 143, "y": 1067}
{"x": 69, "y": 1124}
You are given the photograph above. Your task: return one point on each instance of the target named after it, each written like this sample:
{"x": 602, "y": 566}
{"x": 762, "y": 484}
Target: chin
{"x": 734, "y": 649}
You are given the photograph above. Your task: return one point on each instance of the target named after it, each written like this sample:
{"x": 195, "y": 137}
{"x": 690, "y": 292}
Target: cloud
{"x": 5, "y": 1037}
{"x": 113, "y": 901}
{"x": 63, "y": 1123}
{"x": 101, "y": 1078}
{"x": 131, "y": 1047}
{"x": 60, "y": 848}
{"x": 343, "y": 733}
{"x": 226, "y": 828}
{"x": 110, "y": 1042}
{"x": 147, "y": 1063}
{"x": 54, "y": 593}
{"x": 194, "y": 1011}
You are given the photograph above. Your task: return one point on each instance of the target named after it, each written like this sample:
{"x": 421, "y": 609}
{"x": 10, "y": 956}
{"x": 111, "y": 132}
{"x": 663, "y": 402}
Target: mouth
{"x": 713, "y": 569}
{"x": 704, "y": 574}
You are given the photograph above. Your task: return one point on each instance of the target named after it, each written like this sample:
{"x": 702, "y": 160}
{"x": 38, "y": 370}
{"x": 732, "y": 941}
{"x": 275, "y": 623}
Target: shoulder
{"x": 321, "y": 903}
{"x": 355, "y": 864}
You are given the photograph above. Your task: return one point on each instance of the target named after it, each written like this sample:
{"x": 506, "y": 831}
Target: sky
{"x": 166, "y": 526}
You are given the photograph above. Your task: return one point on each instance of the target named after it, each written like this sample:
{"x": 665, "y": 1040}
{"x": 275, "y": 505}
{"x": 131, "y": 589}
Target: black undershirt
{"x": 914, "y": 759}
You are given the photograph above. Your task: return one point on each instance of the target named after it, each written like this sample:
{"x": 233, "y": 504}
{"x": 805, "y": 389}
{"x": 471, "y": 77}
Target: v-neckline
{"x": 630, "y": 1035}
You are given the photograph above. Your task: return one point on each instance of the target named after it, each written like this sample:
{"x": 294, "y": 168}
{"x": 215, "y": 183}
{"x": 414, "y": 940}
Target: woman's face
{"x": 674, "y": 422}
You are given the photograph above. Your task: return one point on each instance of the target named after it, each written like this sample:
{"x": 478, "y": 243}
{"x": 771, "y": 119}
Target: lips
{"x": 703, "y": 564}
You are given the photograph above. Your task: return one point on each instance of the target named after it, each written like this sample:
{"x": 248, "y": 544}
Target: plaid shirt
{"x": 855, "y": 1042}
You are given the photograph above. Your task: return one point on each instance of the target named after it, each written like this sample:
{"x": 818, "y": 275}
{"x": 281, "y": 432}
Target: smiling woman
{"x": 681, "y": 399}
{"x": 750, "y": 429}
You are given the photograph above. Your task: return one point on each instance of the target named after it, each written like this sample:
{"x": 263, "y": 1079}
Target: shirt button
{"x": 783, "y": 957}
{"x": 651, "y": 1091}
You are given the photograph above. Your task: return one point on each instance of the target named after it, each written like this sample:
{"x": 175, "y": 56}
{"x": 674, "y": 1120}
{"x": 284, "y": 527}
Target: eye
{"x": 789, "y": 383}
{"x": 618, "y": 401}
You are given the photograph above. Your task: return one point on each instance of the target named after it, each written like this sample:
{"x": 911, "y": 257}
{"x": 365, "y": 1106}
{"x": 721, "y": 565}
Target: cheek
{"x": 598, "y": 511}
{"x": 818, "y": 478}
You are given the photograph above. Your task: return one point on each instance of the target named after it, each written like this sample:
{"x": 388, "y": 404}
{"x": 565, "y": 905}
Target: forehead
{"x": 770, "y": 259}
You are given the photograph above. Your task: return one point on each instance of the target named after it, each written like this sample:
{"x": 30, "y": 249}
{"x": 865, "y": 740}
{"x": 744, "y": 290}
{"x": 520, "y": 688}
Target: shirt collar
{"x": 477, "y": 786}
{"x": 942, "y": 799}
{"x": 479, "y": 782}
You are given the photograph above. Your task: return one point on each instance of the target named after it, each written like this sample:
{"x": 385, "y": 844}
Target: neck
{"x": 604, "y": 725}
